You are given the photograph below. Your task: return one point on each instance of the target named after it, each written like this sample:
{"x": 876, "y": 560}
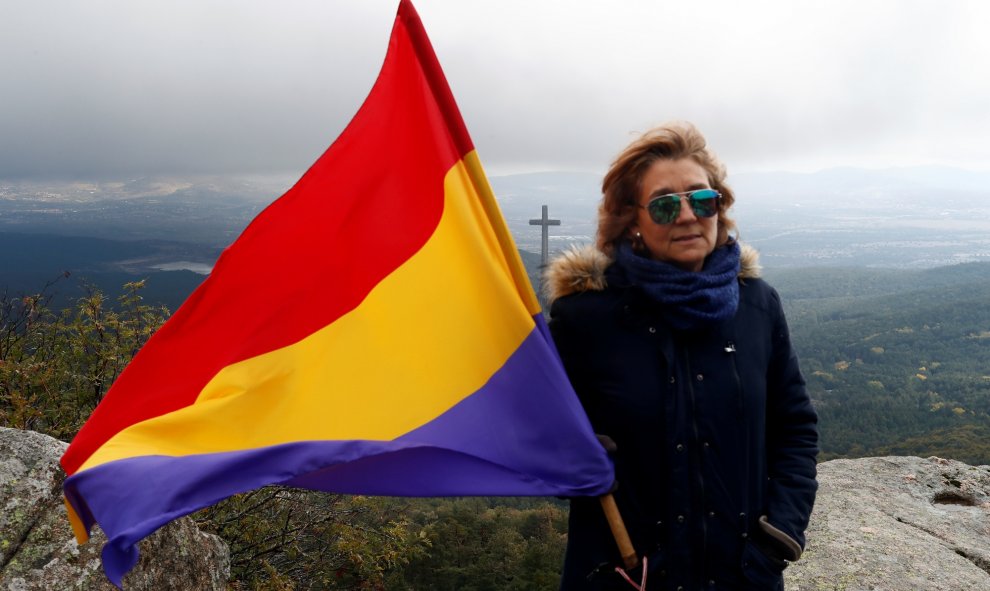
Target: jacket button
{"x": 706, "y": 445}
{"x": 711, "y": 582}
{"x": 701, "y": 378}
{"x": 652, "y": 330}
{"x": 680, "y": 447}
{"x": 659, "y": 523}
{"x": 680, "y": 519}
{"x": 672, "y": 379}
{"x": 745, "y": 535}
{"x": 742, "y": 515}
{"x": 711, "y": 514}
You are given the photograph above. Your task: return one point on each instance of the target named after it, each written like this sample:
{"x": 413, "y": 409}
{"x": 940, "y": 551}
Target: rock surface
{"x": 39, "y": 552}
{"x": 897, "y": 524}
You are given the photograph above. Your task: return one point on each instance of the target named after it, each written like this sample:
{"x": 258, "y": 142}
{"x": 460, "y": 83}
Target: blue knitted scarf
{"x": 690, "y": 300}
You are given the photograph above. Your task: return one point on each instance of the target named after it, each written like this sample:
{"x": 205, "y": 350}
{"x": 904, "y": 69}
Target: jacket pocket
{"x": 762, "y": 570}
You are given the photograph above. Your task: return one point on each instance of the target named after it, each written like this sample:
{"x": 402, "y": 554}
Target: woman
{"x": 681, "y": 357}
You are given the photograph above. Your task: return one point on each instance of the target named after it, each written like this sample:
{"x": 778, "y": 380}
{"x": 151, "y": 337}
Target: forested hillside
{"x": 81, "y": 264}
{"x": 896, "y": 361}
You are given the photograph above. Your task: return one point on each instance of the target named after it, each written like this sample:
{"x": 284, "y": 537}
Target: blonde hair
{"x": 622, "y": 183}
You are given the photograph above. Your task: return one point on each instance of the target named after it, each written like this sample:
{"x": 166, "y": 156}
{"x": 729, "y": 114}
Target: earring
{"x": 637, "y": 242}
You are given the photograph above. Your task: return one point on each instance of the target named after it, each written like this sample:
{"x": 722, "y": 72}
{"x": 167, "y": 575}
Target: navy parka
{"x": 714, "y": 432}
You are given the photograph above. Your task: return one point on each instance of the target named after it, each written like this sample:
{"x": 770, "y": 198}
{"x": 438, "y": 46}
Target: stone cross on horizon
{"x": 545, "y": 222}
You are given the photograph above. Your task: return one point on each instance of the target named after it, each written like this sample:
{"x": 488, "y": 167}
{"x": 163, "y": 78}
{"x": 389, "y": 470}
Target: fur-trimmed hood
{"x": 582, "y": 268}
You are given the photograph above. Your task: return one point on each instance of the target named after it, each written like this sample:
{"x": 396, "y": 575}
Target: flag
{"x": 372, "y": 331}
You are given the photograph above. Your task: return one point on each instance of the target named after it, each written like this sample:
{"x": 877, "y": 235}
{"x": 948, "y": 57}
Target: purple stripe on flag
{"x": 507, "y": 422}
{"x": 497, "y": 442}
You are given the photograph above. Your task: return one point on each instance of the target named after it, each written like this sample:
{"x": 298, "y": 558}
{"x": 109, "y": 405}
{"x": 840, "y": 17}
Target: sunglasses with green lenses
{"x": 664, "y": 209}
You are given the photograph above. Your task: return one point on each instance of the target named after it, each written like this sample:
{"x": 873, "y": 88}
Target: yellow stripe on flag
{"x": 506, "y": 244}
{"x": 427, "y": 336}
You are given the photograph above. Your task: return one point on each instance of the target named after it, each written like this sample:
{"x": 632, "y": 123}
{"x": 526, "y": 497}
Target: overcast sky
{"x": 102, "y": 88}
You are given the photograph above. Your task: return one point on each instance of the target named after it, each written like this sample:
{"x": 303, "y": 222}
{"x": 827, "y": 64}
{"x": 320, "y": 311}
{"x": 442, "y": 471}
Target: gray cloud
{"x": 114, "y": 88}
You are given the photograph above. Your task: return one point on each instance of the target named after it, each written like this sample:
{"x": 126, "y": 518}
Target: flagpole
{"x": 618, "y": 527}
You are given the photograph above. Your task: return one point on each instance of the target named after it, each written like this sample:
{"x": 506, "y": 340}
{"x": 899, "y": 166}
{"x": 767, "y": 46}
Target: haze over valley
{"x": 909, "y": 218}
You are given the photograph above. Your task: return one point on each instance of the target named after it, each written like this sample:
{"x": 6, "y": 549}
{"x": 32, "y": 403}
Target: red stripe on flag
{"x": 314, "y": 254}
{"x": 434, "y": 75}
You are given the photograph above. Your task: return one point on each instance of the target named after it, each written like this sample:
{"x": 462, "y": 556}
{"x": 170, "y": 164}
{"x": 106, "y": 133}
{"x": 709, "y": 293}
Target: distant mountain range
{"x": 897, "y": 218}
